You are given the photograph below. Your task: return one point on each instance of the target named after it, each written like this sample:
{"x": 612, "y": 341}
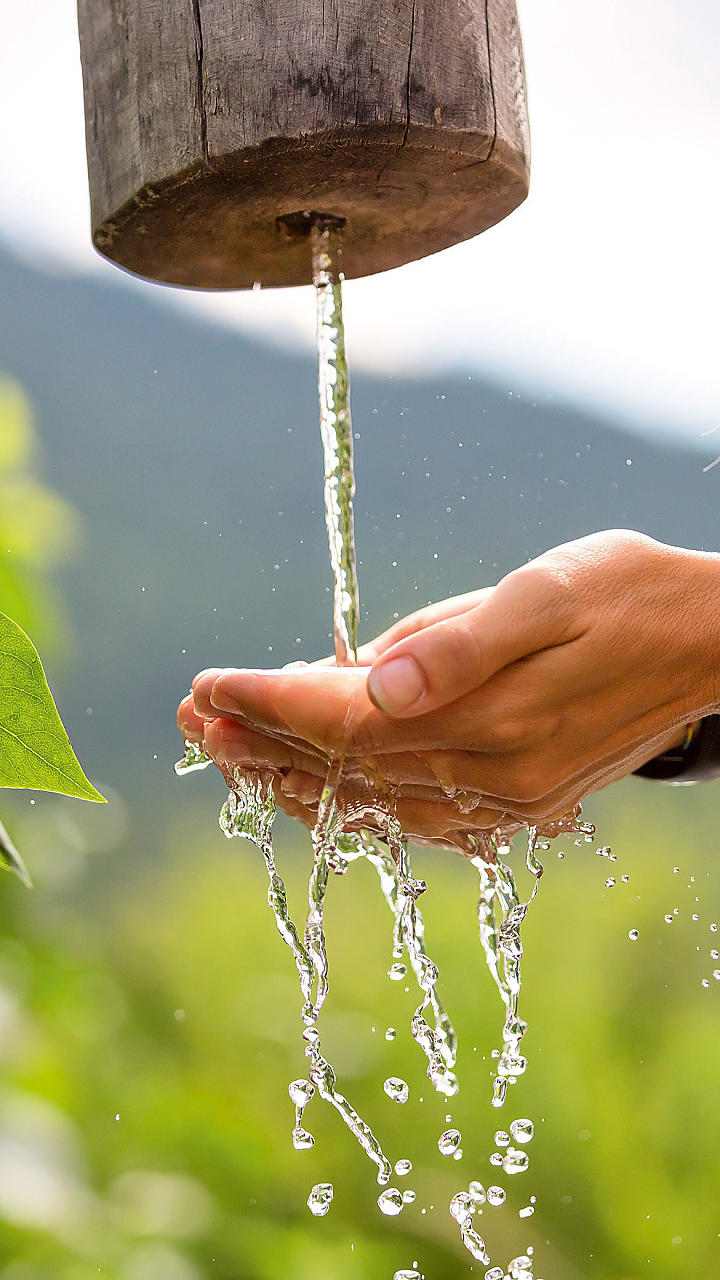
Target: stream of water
{"x": 249, "y": 812}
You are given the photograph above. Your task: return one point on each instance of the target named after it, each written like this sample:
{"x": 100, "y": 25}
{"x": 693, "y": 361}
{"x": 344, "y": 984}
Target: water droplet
{"x": 527, "y": 1212}
{"x": 499, "y": 1091}
{"x": 396, "y": 1089}
{"x": 496, "y": 1159}
{"x": 409, "y": 1197}
{"x": 406, "y": 1275}
{"x": 515, "y": 1161}
{"x": 390, "y": 1202}
{"x": 512, "y": 1064}
{"x": 695, "y": 916}
{"x": 625, "y": 879}
{"x": 519, "y": 1267}
{"x": 495, "y": 1196}
{"x": 522, "y": 1130}
{"x": 474, "y": 1243}
{"x": 449, "y": 1141}
{"x": 705, "y": 983}
{"x": 495, "y": 1273}
{"x": 669, "y": 918}
{"x": 502, "y": 1138}
{"x": 391, "y": 1033}
{"x": 301, "y": 1091}
{"x": 633, "y": 935}
{"x": 397, "y": 972}
{"x": 403, "y": 1168}
{"x": 477, "y": 1191}
{"x": 713, "y": 928}
{"x": 462, "y": 1207}
{"x": 320, "y": 1199}
{"x": 302, "y": 1140}
{"x": 714, "y": 954}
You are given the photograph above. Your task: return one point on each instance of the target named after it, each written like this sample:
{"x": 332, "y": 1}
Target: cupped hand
{"x": 525, "y": 697}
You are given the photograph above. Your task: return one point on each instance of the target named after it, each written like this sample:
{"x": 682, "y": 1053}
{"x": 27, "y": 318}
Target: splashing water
{"x": 249, "y": 813}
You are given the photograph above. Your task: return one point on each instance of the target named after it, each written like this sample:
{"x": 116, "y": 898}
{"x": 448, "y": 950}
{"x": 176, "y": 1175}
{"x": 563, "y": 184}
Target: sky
{"x": 601, "y": 290}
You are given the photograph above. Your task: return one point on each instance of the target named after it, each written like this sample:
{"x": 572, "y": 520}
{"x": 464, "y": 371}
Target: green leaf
{"x": 10, "y": 858}
{"x": 34, "y": 748}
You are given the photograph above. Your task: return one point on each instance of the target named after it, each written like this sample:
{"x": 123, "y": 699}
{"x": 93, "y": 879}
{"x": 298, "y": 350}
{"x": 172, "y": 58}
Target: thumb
{"x": 524, "y": 614}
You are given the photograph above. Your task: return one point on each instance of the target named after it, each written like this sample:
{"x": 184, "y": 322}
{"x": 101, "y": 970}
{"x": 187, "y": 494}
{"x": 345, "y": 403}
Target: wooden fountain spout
{"x": 213, "y": 126}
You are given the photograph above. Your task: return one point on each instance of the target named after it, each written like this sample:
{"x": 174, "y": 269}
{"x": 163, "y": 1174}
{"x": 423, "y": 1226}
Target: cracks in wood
{"x": 200, "y": 81}
{"x": 492, "y": 86}
{"x": 406, "y": 130}
{"x": 407, "y": 80}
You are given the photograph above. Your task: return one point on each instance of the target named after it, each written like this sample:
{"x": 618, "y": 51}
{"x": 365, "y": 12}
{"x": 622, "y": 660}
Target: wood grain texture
{"x": 207, "y": 120}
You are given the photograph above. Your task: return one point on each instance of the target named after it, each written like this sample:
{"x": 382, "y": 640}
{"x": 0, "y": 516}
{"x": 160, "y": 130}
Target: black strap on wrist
{"x": 698, "y": 762}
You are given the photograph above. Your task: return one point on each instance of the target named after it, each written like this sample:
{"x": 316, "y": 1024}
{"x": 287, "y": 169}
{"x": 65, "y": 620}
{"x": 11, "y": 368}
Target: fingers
{"x": 190, "y": 724}
{"x": 230, "y": 743}
{"x": 433, "y": 667}
{"x": 315, "y": 705}
{"x": 418, "y": 621}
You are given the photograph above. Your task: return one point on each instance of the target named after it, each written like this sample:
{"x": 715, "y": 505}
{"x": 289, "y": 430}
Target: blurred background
{"x": 161, "y": 511}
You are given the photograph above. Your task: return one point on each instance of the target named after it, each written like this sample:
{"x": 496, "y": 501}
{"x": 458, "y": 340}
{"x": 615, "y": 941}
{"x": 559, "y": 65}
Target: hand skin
{"x": 570, "y": 673}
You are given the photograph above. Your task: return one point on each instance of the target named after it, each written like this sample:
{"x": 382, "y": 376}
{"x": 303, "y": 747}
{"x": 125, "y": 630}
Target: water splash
{"x": 500, "y": 917}
{"x": 194, "y": 757}
{"x": 249, "y": 813}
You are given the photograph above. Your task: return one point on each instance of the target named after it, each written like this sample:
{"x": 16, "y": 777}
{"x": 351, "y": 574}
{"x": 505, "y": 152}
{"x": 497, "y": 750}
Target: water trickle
{"x": 337, "y": 437}
{"x": 474, "y": 1243}
{"x": 500, "y": 917}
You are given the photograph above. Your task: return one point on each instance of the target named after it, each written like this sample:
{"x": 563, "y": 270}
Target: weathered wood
{"x": 208, "y": 120}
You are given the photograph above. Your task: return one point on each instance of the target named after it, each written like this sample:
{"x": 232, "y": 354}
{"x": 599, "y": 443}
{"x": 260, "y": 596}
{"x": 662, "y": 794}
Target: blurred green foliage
{"x": 149, "y": 1025}
{"x": 38, "y": 529}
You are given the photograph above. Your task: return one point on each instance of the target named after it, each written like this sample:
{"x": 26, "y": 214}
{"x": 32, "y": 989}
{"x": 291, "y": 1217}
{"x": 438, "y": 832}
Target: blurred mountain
{"x": 193, "y": 455}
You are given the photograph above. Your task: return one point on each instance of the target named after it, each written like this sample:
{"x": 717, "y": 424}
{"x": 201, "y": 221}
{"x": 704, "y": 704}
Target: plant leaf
{"x": 11, "y": 860}
{"x": 34, "y": 748}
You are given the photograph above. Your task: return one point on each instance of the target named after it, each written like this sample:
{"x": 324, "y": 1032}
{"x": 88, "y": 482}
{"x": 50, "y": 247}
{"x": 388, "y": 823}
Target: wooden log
{"x": 208, "y": 122}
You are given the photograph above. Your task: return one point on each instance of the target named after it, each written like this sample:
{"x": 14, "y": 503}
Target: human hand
{"x": 570, "y": 673}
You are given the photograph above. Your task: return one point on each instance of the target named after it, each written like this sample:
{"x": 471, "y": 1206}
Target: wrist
{"x": 704, "y": 618}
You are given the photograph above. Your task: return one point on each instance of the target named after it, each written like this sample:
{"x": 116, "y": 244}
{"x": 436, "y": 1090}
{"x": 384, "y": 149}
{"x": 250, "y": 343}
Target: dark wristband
{"x": 698, "y": 762}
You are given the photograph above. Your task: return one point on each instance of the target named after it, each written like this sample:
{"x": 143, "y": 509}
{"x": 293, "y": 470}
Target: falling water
{"x": 249, "y": 812}
{"x": 336, "y": 430}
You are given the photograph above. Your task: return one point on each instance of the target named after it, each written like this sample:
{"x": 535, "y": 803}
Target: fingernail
{"x": 397, "y": 685}
{"x": 201, "y": 675}
{"x": 223, "y": 701}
